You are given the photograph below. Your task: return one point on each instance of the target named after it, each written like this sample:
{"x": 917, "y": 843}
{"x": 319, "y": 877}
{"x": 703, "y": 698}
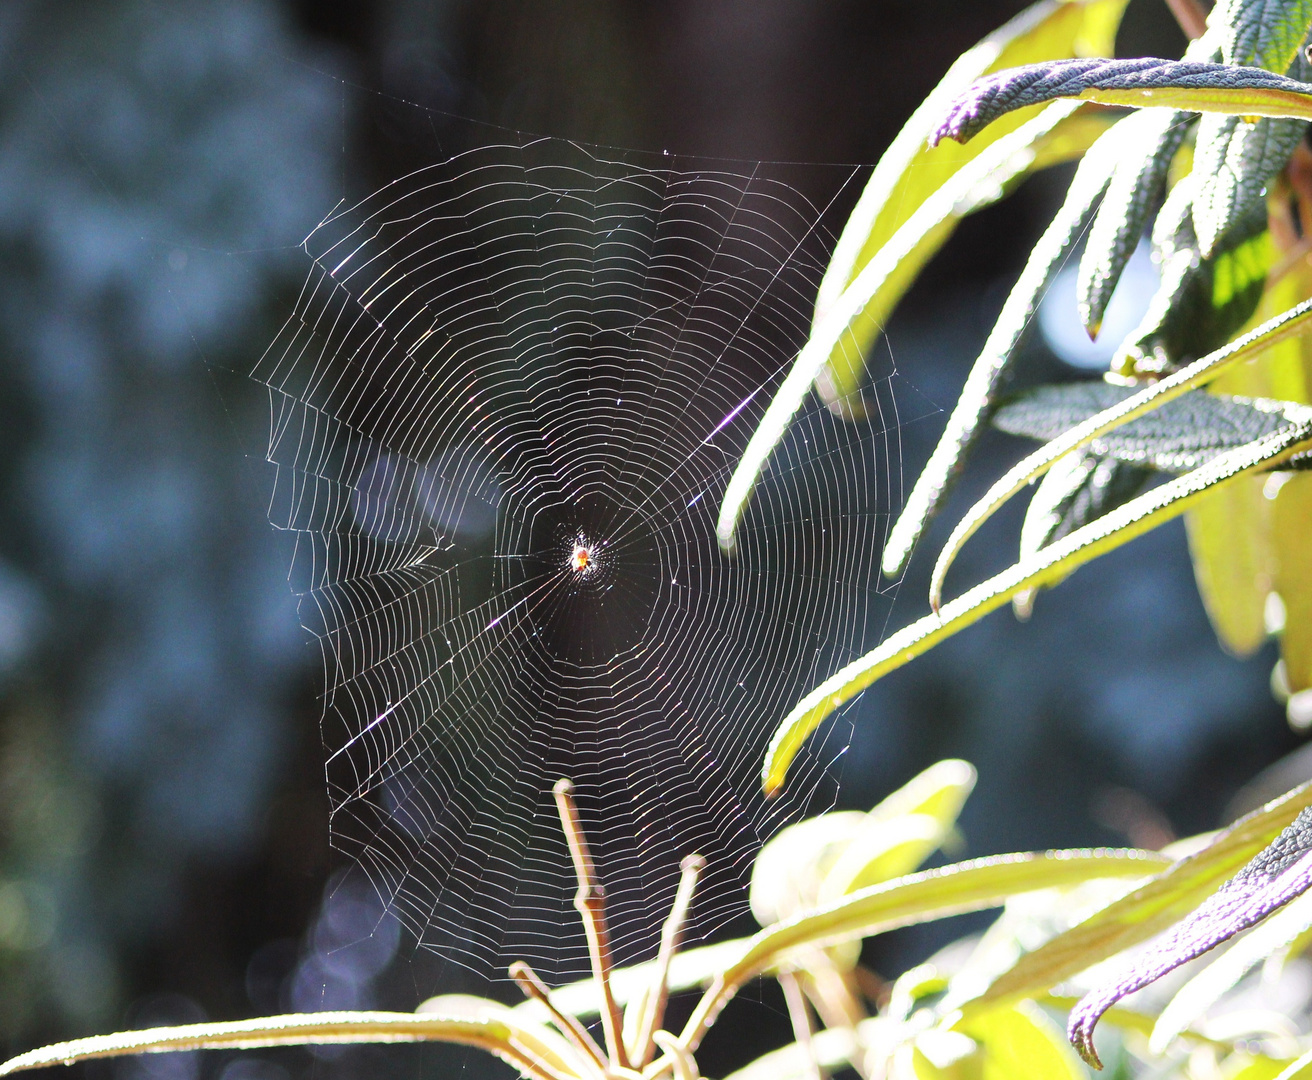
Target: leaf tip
{"x": 775, "y": 770}
{"x": 893, "y": 562}
{"x": 1080, "y": 1032}
{"x": 949, "y": 128}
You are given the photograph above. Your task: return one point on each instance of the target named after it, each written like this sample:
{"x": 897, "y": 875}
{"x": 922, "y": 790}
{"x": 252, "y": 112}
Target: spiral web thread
{"x": 499, "y": 361}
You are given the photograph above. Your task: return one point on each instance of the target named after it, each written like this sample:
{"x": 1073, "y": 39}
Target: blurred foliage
{"x": 141, "y": 719}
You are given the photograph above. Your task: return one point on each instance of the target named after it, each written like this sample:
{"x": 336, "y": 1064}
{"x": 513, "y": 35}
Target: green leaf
{"x": 979, "y": 393}
{"x": 1261, "y": 1067}
{"x": 1230, "y": 532}
{"x": 974, "y": 885}
{"x": 1291, "y": 520}
{"x": 1133, "y": 196}
{"x": 1177, "y": 436}
{"x": 1051, "y": 564}
{"x": 791, "y": 865}
{"x": 1270, "y": 333}
{"x": 1274, "y": 877}
{"x": 939, "y": 791}
{"x": 903, "y": 830}
{"x": 1186, "y": 85}
{"x": 897, "y": 261}
{"x": 1229, "y": 548}
{"x": 914, "y": 898}
{"x": 930, "y": 894}
{"x": 1087, "y": 487}
{"x": 830, "y": 1049}
{"x": 1300, "y": 1069}
{"x": 821, "y": 858}
{"x": 468, "y": 1021}
{"x": 882, "y": 851}
{"x": 1236, "y": 159}
{"x": 1148, "y": 910}
{"x": 1200, "y": 302}
{"x": 910, "y": 171}
{"x": 1021, "y": 1043}
{"x": 1266, "y": 33}
{"x": 1079, "y": 488}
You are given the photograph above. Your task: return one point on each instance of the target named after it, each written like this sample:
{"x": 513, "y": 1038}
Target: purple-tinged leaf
{"x": 1276, "y": 876}
{"x": 1188, "y": 85}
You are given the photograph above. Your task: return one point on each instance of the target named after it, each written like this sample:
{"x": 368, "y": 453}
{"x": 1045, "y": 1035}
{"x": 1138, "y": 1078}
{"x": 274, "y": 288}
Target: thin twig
{"x": 831, "y": 993}
{"x": 801, "y": 1018}
{"x": 534, "y": 988}
{"x": 590, "y": 901}
{"x": 685, "y": 1066}
{"x": 1191, "y": 16}
{"x": 874, "y": 988}
{"x": 654, "y": 1013}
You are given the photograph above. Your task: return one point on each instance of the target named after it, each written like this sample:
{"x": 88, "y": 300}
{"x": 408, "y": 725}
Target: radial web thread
{"x": 497, "y": 361}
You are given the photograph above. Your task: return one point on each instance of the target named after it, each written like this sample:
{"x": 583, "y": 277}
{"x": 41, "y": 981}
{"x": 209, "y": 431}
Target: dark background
{"x": 163, "y": 832}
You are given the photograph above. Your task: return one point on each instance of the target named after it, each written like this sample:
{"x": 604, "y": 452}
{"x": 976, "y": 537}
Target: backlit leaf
{"x": 1148, "y": 910}
{"x": 915, "y": 898}
{"x": 903, "y": 830}
{"x": 910, "y": 171}
{"x": 1236, "y": 159}
{"x": 791, "y": 865}
{"x": 1291, "y": 526}
{"x": 1230, "y": 532}
{"x": 830, "y": 1049}
{"x": 1284, "y": 326}
{"x": 893, "y": 266}
{"x": 1200, "y": 302}
{"x": 1021, "y": 1043}
{"x": 1133, "y": 196}
{"x": 1079, "y": 488}
{"x": 979, "y": 393}
{"x": 1134, "y": 518}
{"x": 1275, "y": 876}
{"x": 930, "y": 894}
{"x": 463, "y": 1020}
{"x": 1230, "y": 548}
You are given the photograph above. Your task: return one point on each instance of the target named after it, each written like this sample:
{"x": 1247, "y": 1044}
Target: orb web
{"x": 503, "y": 413}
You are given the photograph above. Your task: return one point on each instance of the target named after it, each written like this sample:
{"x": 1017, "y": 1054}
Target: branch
{"x": 590, "y": 901}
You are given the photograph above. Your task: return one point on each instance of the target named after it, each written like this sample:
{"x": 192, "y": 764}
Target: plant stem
{"x": 654, "y": 1013}
{"x": 590, "y": 901}
{"x": 801, "y": 1018}
{"x": 533, "y": 987}
{"x": 1190, "y": 15}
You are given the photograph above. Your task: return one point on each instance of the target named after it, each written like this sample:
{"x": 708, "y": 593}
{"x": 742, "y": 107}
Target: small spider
{"x": 583, "y": 558}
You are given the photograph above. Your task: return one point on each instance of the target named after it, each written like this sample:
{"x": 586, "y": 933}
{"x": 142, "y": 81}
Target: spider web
{"x": 502, "y": 359}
